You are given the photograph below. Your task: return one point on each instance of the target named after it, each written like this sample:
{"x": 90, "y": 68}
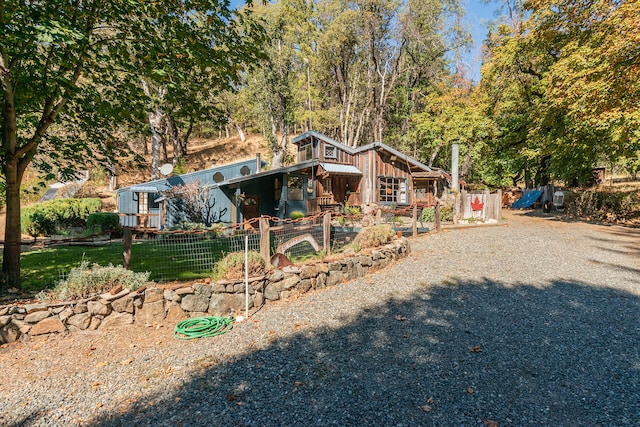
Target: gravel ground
{"x": 533, "y": 323}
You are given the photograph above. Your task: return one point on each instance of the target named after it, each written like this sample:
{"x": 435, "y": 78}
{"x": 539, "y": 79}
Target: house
{"x": 161, "y": 203}
{"x": 330, "y": 175}
{"x": 327, "y": 175}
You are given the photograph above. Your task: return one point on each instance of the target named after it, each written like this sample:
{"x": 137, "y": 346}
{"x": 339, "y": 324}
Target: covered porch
{"x": 336, "y": 185}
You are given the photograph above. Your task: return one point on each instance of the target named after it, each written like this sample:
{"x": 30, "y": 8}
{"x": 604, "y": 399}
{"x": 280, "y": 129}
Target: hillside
{"x": 202, "y": 153}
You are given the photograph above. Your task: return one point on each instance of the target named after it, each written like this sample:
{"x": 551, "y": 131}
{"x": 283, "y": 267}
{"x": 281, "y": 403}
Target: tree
{"x": 564, "y": 83}
{"x": 68, "y": 72}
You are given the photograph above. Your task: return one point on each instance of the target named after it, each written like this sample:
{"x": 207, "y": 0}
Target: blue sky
{"x": 478, "y": 18}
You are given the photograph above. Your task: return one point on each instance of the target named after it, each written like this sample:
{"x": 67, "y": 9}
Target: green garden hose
{"x": 200, "y": 327}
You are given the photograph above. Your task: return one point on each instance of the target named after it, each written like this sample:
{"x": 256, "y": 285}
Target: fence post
{"x": 415, "y": 221}
{"x": 127, "y": 238}
{"x": 326, "y": 234}
{"x": 436, "y": 213}
{"x": 379, "y": 216}
{"x": 265, "y": 240}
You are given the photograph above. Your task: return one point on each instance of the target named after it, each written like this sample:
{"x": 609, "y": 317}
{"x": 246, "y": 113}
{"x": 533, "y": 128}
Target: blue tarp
{"x": 527, "y": 199}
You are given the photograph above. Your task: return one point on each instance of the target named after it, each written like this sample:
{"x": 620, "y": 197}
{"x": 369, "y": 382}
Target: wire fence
{"x": 193, "y": 254}
{"x": 189, "y": 255}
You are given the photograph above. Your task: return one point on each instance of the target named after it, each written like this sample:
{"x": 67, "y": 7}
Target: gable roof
{"x": 372, "y": 146}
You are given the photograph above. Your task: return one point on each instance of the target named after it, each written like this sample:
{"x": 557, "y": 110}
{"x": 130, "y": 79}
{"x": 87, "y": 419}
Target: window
{"x": 143, "y": 203}
{"x": 277, "y": 189}
{"x": 152, "y": 200}
{"x": 294, "y": 188}
{"x": 330, "y": 152}
{"x": 326, "y": 185}
{"x": 306, "y": 152}
{"x": 392, "y": 190}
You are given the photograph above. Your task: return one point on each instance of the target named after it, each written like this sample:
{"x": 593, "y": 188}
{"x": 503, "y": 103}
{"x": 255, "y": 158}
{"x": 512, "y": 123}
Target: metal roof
{"x": 340, "y": 169}
{"x": 143, "y": 189}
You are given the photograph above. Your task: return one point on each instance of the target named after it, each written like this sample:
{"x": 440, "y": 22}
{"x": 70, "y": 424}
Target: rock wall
{"x": 151, "y": 305}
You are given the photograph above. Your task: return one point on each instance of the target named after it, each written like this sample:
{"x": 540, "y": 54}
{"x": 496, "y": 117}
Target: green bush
{"x": 39, "y": 225}
{"x": 232, "y": 266}
{"x": 62, "y": 213}
{"x": 603, "y": 205}
{"x": 428, "y": 214}
{"x": 102, "y": 222}
{"x": 85, "y": 281}
{"x": 296, "y": 215}
{"x": 375, "y": 236}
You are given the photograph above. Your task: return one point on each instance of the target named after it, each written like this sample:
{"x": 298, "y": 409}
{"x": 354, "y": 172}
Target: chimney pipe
{"x": 258, "y": 162}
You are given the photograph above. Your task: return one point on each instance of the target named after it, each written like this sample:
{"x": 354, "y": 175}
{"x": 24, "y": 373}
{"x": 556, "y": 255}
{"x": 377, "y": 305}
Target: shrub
{"x": 296, "y": 215}
{"x": 62, "y": 213}
{"x": 38, "y": 224}
{"x": 603, "y": 205}
{"x": 375, "y": 236}
{"x": 428, "y": 214}
{"x": 352, "y": 210}
{"x": 84, "y": 281}
{"x": 232, "y": 266}
{"x": 103, "y": 222}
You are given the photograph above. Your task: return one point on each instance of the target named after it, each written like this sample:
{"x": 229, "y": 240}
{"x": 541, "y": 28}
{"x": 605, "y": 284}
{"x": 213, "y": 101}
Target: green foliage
{"x": 371, "y": 237}
{"x": 609, "y": 206}
{"x": 45, "y": 218}
{"x": 98, "y": 222}
{"x": 85, "y": 281}
{"x": 296, "y": 215}
{"x": 428, "y": 214}
{"x": 352, "y": 210}
{"x": 232, "y": 266}
{"x": 180, "y": 167}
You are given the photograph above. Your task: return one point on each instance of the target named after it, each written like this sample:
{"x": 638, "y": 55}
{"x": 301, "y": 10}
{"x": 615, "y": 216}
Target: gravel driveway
{"x": 533, "y": 323}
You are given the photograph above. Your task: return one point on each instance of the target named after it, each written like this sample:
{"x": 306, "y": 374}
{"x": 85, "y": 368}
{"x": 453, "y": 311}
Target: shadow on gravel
{"x": 566, "y": 354}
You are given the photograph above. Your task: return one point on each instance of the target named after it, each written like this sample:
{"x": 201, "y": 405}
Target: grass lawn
{"x": 43, "y": 268}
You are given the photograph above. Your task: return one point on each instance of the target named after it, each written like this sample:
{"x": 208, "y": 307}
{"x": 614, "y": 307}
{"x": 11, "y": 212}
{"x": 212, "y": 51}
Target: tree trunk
{"x": 13, "y": 171}
{"x": 155, "y": 122}
{"x": 12, "y": 233}
{"x": 243, "y": 137}
{"x": 156, "y": 118}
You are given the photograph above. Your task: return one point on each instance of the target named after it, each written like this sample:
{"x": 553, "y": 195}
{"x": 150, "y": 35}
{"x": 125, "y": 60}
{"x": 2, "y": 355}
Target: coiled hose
{"x": 200, "y": 327}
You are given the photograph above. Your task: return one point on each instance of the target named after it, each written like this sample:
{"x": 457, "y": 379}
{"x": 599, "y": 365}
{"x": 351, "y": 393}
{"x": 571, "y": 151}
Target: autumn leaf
{"x": 231, "y": 397}
{"x": 400, "y": 318}
{"x": 126, "y": 362}
{"x": 475, "y": 349}
{"x": 471, "y": 390}
{"x": 490, "y": 423}
{"x": 426, "y": 408}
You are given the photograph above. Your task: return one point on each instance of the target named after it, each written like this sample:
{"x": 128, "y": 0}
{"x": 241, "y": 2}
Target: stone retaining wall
{"x": 151, "y": 305}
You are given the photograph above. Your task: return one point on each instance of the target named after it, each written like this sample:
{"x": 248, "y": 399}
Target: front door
{"x": 250, "y": 208}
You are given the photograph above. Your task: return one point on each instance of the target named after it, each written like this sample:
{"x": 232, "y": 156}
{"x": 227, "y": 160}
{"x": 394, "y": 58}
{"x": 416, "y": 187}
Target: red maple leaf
{"x": 477, "y": 204}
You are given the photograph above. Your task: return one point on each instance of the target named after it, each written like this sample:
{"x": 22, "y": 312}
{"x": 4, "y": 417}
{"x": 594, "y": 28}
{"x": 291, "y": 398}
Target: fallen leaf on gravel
{"x": 430, "y": 400}
{"x": 231, "y": 397}
{"x": 126, "y": 362}
{"x": 296, "y": 326}
{"x": 426, "y": 408}
{"x": 296, "y": 385}
{"x": 99, "y": 405}
{"x": 87, "y": 353}
{"x": 400, "y": 318}
{"x": 490, "y": 423}
{"x": 475, "y": 349}
{"x": 470, "y": 390}
{"x": 95, "y": 385}
{"x": 101, "y": 364}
